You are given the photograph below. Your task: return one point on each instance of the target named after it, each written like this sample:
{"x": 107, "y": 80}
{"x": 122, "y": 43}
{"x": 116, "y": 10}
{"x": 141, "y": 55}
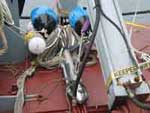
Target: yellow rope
{"x": 137, "y": 25}
{"x": 29, "y": 36}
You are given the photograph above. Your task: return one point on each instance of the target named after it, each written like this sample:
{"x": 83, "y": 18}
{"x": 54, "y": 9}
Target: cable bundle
{"x": 58, "y": 40}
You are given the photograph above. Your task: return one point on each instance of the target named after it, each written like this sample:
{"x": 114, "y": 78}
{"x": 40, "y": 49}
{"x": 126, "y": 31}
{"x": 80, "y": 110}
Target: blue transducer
{"x": 79, "y": 20}
{"x": 44, "y": 17}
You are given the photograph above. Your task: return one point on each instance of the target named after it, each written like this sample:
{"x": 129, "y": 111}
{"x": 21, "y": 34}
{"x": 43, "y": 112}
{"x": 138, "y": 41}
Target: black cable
{"x": 138, "y": 13}
{"x": 122, "y": 34}
{"x": 21, "y": 6}
{"x": 25, "y": 17}
{"x": 137, "y": 102}
{"x": 98, "y": 12}
{"x": 92, "y": 39}
{"x": 131, "y": 95}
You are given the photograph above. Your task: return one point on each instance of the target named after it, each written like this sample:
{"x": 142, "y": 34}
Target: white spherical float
{"x": 37, "y": 45}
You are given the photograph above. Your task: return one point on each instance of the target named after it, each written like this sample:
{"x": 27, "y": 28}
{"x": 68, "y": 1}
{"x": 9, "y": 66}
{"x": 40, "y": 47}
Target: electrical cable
{"x": 138, "y": 13}
{"x": 137, "y": 102}
{"x": 98, "y": 11}
{"x": 131, "y": 54}
{"x": 129, "y": 91}
{"x": 92, "y": 39}
{"x": 122, "y": 34}
{"x": 131, "y": 32}
{"x": 129, "y": 47}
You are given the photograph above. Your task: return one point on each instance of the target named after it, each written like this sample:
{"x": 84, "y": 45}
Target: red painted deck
{"x": 50, "y": 85}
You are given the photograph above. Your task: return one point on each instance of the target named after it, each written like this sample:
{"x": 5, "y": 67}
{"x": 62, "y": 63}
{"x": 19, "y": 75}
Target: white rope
{"x": 19, "y": 28}
{"x": 20, "y": 99}
{"x": 1, "y": 16}
{"x": 56, "y": 39}
{"x": 131, "y": 28}
{"x": 134, "y": 17}
{"x": 4, "y": 42}
{"x": 5, "y": 13}
{"x": 15, "y": 32}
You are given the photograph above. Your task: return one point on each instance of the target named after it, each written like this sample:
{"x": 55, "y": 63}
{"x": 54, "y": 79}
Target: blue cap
{"x": 76, "y": 14}
{"x": 43, "y": 10}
